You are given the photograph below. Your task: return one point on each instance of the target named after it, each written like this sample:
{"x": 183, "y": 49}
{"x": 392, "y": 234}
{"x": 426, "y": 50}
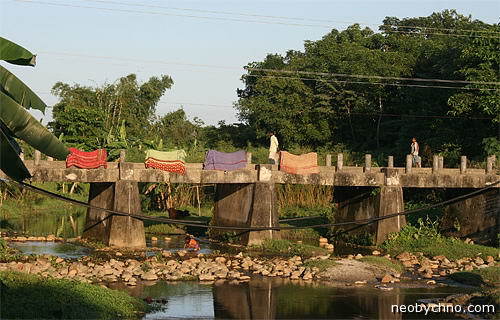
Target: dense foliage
{"x": 96, "y": 117}
{"x": 303, "y": 96}
{"x": 343, "y": 93}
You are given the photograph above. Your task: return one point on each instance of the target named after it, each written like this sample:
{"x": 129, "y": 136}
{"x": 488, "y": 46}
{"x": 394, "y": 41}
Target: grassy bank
{"x": 383, "y": 263}
{"x": 27, "y": 296}
{"x": 478, "y": 277}
{"x": 426, "y": 239}
{"x": 282, "y": 247}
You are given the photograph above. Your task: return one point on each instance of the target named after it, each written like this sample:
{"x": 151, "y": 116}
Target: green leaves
{"x": 24, "y": 126}
{"x": 15, "y": 54}
{"x": 18, "y": 91}
{"x": 10, "y": 163}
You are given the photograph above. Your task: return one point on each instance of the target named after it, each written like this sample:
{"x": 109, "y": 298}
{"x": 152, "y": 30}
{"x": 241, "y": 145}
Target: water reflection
{"x": 67, "y": 225}
{"x": 63, "y": 250}
{"x": 264, "y": 298}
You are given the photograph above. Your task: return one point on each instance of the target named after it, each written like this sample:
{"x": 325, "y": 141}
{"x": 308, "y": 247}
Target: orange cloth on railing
{"x": 303, "y": 164}
{"x": 176, "y": 166}
{"x": 87, "y": 160}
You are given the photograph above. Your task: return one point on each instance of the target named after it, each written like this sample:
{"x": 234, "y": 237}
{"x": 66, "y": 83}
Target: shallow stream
{"x": 277, "y": 298}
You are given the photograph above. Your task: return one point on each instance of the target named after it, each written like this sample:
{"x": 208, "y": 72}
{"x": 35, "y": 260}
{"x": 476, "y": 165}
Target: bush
{"x": 426, "y": 238}
{"x": 33, "y": 297}
{"x": 288, "y": 248}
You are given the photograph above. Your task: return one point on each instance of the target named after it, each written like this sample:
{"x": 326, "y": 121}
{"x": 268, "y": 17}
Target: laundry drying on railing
{"x": 303, "y": 164}
{"x": 216, "y": 160}
{"x": 86, "y": 160}
{"x": 171, "y": 161}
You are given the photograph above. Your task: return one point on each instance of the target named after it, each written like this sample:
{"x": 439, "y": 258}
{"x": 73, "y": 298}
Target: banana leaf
{"x": 15, "y": 54}
{"x": 17, "y": 90}
{"x": 10, "y": 162}
{"x": 24, "y": 126}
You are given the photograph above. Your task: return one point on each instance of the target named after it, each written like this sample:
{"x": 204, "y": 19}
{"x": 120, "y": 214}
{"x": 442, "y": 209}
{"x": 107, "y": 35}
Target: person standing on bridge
{"x": 273, "y": 148}
{"x": 414, "y": 153}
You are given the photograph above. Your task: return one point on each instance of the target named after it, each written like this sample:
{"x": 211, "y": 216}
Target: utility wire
{"x": 329, "y": 74}
{"x": 424, "y": 33}
{"x": 114, "y": 10}
{"x": 372, "y": 83}
{"x": 171, "y": 221}
{"x": 197, "y": 17}
{"x": 278, "y": 17}
{"x": 337, "y": 113}
{"x": 360, "y": 76}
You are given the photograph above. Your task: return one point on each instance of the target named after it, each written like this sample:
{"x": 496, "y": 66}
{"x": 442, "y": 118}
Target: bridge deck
{"x": 56, "y": 171}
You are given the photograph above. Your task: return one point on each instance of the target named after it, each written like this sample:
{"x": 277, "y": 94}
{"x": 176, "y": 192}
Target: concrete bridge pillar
{"x": 117, "y": 231}
{"x": 248, "y": 205}
{"x": 358, "y": 203}
{"x": 477, "y": 217}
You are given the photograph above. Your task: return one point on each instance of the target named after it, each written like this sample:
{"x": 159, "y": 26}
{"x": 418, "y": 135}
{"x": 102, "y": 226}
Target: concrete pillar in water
{"x": 126, "y": 231}
{"x": 118, "y": 231}
{"x": 389, "y": 201}
{"x": 477, "y": 217}
{"x": 358, "y": 203}
{"x": 248, "y": 205}
{"x": 101, "y": 195}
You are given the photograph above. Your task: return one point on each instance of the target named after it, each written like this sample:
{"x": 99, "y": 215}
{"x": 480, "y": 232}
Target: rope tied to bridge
{"x": 359, "y": 223}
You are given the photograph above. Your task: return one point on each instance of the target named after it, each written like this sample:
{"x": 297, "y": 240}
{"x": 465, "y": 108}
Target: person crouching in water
{"x": 190, "y": 243}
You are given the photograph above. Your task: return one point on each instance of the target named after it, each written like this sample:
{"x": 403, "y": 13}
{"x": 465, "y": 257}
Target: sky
{"x": 203, "y": 45}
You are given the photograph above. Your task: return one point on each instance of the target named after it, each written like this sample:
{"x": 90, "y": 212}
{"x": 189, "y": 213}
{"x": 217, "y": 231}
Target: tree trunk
{"x": 378, "y": 122}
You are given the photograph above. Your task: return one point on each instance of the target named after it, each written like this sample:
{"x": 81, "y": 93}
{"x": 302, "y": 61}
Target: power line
{"x": 372, "y": 83}
{"x": 338, "y": 113}
{"x": 291, "y": 72}
{"x": 70, "y": 54}
{"x": 171, "y": 14}
{"x": 370, "y": 76}
{"x": 424, "y": 33}
{"x": 171, "y": 221}
{"x": 277, "y": 17}
{"x": 192, "y": 16}
{"x": 349, "y": 113}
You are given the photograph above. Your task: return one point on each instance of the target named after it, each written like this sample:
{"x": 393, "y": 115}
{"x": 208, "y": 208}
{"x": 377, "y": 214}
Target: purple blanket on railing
{"x": 215, "y": 160}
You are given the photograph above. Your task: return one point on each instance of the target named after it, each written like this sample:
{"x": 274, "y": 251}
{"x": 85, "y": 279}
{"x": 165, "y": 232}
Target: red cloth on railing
{"x": 176, "y": 166}
{"x": 87, "y": 160}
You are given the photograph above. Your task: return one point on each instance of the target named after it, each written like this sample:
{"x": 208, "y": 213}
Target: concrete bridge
{"x": 246, "y": 197}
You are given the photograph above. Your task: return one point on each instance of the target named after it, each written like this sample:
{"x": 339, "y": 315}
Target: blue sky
{"x": 93, "y": 42}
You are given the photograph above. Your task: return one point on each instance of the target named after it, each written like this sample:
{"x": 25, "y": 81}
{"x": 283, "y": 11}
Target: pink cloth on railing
{"x": 303, "y": 164}
{"x": 87, "y": 160}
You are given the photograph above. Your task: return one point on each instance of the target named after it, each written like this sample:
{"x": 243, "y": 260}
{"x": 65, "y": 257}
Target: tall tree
{"x": 347, "y": 87}
{"x": 93, "y": 117}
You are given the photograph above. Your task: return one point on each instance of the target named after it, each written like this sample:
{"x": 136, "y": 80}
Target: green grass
{"x": 384, "y": 263}
{"x": 162, "y": 229}
{"x": 31, "y": 297}
{"x": 427, "y": 240}
{"x": 320, "y": 264}
{"x": 491, "y": 273}
{"x": 8, "y": 254}
{"x": 287, "y": 248}
{"x": 477, "y": 277}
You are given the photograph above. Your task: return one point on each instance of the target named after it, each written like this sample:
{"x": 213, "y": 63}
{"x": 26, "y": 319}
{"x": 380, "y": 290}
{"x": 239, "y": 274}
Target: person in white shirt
{"x": 414, "y": 152}
{"x": 273, "y": 148}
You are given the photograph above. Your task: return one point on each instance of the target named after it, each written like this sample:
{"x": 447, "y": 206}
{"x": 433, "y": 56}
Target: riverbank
{"x": 30, "y": 296}
{"x": 303, "y": 262}
{"x": 110, "y": 267}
